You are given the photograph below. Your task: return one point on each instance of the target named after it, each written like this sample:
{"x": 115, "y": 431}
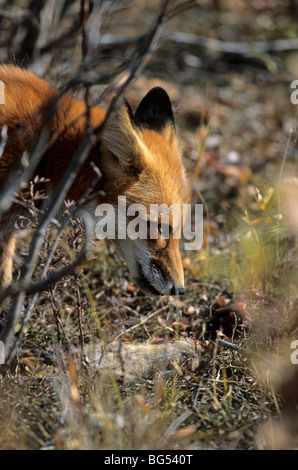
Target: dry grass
{"x": 222, "y": 398}
{"x": 219, "y": 400}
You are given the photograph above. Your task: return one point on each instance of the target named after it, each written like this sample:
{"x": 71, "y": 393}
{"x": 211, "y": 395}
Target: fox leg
{"x": 7, "y": 249}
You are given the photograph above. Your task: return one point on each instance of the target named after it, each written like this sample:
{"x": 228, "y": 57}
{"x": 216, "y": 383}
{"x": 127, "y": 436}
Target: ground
{"x": 239, "y": 129}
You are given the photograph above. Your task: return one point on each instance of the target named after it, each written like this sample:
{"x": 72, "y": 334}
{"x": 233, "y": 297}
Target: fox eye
{"x": 164, "y": 230}
{"x": 159, "y": 235}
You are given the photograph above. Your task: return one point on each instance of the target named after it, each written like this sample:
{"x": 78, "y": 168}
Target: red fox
{"x": 138, "y": 155}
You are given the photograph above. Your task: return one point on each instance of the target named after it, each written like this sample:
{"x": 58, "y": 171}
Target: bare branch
{"x": 143, "y": 49}
{"x": 242, "y": 48}
{"x": 16, "y": 179}
{"x": 19, "y": 290}
{"x": 49, "y": 280}
{"x": 210, "y": 44}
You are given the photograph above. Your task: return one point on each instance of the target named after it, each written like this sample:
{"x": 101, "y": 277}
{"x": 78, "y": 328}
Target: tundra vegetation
{"x": 217, "y": 367}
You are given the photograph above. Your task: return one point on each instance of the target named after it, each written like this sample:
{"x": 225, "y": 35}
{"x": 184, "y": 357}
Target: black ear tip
{"x": 155, "y": 110}
{"x": 159, "y": 96}
{"x": 158, "y": 91}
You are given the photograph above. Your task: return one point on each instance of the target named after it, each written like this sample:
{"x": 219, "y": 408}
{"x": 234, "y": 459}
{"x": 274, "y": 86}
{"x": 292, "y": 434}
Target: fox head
{"x": 141, "y": 160}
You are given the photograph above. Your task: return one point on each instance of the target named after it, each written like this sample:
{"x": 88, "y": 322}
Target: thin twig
{"x": 46, "y": 267}
{"x": 142, "y": 322}
{"x": 15, "y": 180}
{"x": 26, "y": 285}
{"x": 242, "y": 48}
{"x": 210, "y": 44}
{"x": 232, "y": 346}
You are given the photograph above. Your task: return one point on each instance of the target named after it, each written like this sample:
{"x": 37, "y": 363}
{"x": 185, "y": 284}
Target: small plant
{"x": 262, "y": 242}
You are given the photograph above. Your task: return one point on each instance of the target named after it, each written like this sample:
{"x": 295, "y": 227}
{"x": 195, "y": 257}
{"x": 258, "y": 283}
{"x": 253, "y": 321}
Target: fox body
{"x": 138, "y": 155}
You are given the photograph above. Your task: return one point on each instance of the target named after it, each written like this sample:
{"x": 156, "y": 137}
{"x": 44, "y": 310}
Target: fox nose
{"x": 177, "y": 290}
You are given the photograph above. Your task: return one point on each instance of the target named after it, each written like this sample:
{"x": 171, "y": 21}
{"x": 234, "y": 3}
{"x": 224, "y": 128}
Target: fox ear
{"x": 122, "y": 140}
{"x": 155, "y": 110}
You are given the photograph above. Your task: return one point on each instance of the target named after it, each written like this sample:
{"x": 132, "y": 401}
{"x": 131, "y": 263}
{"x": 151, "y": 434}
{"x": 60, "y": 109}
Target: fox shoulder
{"x": 29, "y": 101}
{"x": 24, "y": 94}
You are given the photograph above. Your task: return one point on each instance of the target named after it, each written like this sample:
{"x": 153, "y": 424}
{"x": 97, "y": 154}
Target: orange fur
{"x": 139, "y": 157}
